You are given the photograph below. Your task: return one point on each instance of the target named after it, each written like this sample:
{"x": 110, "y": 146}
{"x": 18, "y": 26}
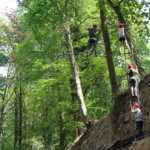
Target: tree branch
{"x": 120, "y": 2}
{"x": 112, "y": 4}
{"x": 60, "y": 10}
{"x": 23, "y": 4}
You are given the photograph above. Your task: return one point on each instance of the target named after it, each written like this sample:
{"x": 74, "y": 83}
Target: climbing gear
{"x": 120, "y": 25}
{"x": 94, "y": 25}
{"x": 136, "y": 105}
{"x": 130, "y": 66}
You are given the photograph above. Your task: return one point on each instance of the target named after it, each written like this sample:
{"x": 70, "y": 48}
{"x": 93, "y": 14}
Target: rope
{"x": 60, "y": 25}
{"x": 115, "y": 55}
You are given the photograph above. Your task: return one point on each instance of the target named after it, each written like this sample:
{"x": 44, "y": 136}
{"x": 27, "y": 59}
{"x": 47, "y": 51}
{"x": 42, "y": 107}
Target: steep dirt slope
{"x": 141, "y": 145}
{"x": 115, "y": 130}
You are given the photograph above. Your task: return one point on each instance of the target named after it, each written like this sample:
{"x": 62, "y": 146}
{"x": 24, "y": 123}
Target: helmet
{"x": 120, "y": 25}
{"x": 136, "y": 105}
{"x": 94, "y": 25}
{"x": 130, "y": 66}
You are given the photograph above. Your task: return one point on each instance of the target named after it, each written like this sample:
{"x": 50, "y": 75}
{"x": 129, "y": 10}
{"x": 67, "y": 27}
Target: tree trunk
{"x": 76, "y": 78}
{"x": 2, "y": 115}
{"x": 75, "y": 113}
{"x": 3, "y": 105}
{"x": 108, "y": 51}
{"x": 16, "y": 121}
{"x": 46, "y": 131}
{"x": 62, "y": 132}
{"x": 20, "y": 117}
{"x": 121, "y": 19}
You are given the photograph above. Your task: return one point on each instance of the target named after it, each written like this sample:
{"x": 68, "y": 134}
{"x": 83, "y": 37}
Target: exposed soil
{"x": 116, "y": 130}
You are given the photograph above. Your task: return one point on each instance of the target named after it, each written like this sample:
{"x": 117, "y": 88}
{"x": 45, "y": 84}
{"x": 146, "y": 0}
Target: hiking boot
{"x": 135, "y": 94}
{"x": 140, "y": 138}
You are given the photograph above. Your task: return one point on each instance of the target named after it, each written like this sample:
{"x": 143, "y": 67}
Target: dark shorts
{"x": 122, "y": 38}
{"x": 92, "y": 40}
{"x": 132, "y": 81}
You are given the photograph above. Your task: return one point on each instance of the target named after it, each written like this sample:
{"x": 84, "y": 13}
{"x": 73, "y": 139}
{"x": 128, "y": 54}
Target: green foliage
{"x": 39, "y": 65}
{"x": 37, "y": 143}
{"x": 3, "y": 60}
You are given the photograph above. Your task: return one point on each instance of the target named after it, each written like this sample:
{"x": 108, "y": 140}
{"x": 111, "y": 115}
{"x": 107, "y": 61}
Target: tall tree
{"x": 65, "y": 17}
{"x": 41, "y": 42}
{"x": 117, "y": 9}
{"x": 108, "y": 51}
{"x": 76, "y": 78}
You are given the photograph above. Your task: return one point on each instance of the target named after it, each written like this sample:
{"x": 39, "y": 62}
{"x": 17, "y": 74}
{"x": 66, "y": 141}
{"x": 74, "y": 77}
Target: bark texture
{"x": 76, "y": 78}
{"x": 108, "y": 51}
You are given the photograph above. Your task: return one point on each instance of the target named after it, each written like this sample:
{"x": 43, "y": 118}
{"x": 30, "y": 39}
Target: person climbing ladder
{"x": 122, "y": 38}
{"x": 132, "y": 79}
{"x": 92, "y": 39}
{"x": 138, "y": 119}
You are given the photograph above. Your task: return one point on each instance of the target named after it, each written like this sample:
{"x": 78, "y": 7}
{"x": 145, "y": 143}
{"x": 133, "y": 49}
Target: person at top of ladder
{"x": 92, "y": 39}
{"x": 132, "y": 79}
{"x": 122, "y": 38}
{"x": 138, "y": 119}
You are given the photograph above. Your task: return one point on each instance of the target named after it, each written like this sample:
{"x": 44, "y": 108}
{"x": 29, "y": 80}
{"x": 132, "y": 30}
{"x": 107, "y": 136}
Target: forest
{"x": 53, "y": 92}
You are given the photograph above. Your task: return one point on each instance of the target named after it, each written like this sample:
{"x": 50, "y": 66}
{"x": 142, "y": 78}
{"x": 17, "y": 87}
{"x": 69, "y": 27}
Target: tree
{"x": 52, "y": 89}
{"x": 108, "y": 51}
{"x": 117, "y": 9}
{"x": 63, "y": 16}
{"x": 76, "y": 78}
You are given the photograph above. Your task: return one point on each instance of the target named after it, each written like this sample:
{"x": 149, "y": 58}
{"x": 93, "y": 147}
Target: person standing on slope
{"x": 122, "y": 38}
{"x": 92, "y": 39}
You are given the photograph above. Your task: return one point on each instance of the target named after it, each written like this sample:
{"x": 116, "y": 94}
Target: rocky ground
{"x": 116, "y": 130}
